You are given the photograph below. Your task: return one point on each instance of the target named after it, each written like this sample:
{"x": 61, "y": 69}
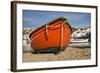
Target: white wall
{"x": 5, "y": 37}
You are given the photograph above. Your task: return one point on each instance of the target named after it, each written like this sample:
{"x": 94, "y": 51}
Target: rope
{"x": 61, "y": 43}
{"x": 46, "y": 32}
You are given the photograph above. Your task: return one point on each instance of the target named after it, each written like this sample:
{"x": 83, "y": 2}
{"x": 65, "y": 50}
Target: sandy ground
{"x": 68, "y": 54}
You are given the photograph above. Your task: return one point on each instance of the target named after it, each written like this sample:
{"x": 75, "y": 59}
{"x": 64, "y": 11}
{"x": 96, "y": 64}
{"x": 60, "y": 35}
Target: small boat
{"x": 80, "y": 43}
{"x": 53, "y": 36}
{"x": 79, "y": 40}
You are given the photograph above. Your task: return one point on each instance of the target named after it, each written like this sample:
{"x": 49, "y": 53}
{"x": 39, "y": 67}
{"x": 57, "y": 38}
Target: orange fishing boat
{"x": 54, "y": 35}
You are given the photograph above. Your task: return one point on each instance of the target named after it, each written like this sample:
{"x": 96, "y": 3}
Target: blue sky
{"x": 34, "y": 18}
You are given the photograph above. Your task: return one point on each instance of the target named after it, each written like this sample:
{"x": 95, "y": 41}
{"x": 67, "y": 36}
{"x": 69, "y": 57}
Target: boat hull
{"x": 56, "y": 36}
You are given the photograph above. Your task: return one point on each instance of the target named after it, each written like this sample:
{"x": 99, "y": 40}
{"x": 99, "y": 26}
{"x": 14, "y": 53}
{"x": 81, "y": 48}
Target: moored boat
{"x": 53, "y": 35}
